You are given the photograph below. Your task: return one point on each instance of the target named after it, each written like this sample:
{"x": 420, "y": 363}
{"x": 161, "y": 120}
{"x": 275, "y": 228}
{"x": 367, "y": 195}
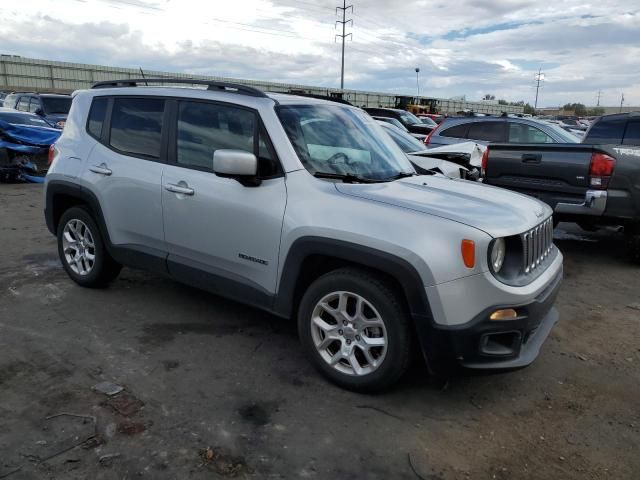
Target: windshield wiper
{"x": 346, "y": 177}
{"x": 398, "y": 176}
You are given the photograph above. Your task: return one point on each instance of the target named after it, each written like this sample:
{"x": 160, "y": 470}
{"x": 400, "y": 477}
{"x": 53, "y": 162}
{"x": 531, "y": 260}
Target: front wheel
{"x": 354, "y": 328}
{"x": 82, "y": 250}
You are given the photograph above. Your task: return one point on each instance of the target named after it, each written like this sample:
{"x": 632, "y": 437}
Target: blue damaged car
{"x": 24, "y": 142}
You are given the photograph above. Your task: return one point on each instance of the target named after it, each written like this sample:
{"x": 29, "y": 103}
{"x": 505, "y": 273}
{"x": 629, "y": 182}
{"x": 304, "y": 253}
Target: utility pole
{"x": 418, "y": 84}
{"x": 621, "y": 101}
{"x": 539, "y": 78}
{"x": 599, "y": 93}
{"x": 344, "y": 35}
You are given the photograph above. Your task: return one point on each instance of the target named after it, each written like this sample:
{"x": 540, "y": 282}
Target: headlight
{"x": 498, "y": 251}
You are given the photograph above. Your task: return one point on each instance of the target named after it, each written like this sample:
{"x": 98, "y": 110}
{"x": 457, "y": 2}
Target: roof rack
{"x": 211, "y": 85}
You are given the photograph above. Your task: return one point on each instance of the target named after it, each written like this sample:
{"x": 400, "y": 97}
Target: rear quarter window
{"x": 607, "y": 131}
{"x": 96, "y": 117}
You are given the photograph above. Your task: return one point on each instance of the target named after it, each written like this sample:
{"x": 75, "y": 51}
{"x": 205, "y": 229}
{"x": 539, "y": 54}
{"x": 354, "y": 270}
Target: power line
{"x": 344, "y": 35}
{"x": 539, "y": 78}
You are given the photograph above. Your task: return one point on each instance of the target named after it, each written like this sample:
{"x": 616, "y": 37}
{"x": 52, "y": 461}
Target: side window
{"x": 632, "y": 133}
{"x": 96, "y": 117}
{"x": 459, "y": 131}
{"x": 136, "y": 126}
{"x": 34, "y": 104}
{"x": 204, "y": 128}
{"x": 487, "y": 131}
{"x": 607, "y": 131}
{"x": 23, "y": 104}
{"x": 521, "y": 133}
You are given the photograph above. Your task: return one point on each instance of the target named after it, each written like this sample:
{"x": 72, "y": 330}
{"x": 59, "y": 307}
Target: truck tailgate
{"x": 541, "y": 170}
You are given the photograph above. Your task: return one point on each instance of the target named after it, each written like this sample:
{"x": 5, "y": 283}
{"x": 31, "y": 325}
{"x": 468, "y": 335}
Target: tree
{"x": 502, "y": 102}
{"x": 577, "y": 108}
{"x": 488, "y": 96}
{"x": 529, "y": 109}
{"x": 595, "y": 111}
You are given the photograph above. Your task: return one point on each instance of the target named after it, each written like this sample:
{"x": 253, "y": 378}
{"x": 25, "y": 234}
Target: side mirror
{"x": 40, "y": 112}
{"x": 236, "y": 163}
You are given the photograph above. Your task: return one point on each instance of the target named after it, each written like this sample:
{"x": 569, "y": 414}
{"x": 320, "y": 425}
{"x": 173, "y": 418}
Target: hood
{"x": 56, "y": 117}
{"x": 496, "y": 211}
{"x": 29, "y": 134}
{"x": 473, "y": 149}
{"x": 445, "y": 167}
{"x": 420, "y": 128}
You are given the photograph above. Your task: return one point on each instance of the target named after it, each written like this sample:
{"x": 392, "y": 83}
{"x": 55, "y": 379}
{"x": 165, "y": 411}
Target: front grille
{"x": 537, "y": 243}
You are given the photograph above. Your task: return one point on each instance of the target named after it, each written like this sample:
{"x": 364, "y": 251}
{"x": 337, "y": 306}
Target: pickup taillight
{"x": 600, "y": 170}
{"x": 484, "y": 160}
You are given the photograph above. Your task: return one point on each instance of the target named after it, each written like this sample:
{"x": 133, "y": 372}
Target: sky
{"x": 462, "y": 47}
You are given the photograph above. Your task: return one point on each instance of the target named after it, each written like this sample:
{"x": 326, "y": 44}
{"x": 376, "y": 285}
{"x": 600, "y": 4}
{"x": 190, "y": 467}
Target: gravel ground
{"x": 214, "y": 389}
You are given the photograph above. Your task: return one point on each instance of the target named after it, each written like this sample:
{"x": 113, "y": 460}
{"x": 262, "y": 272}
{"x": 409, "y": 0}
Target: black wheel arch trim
{"x": 398, "y": 268}
{"x": 136, "y": 256}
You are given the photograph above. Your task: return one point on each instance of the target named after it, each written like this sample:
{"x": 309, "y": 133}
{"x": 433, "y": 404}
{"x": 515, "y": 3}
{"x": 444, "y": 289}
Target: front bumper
{"x": 483, "y": 344}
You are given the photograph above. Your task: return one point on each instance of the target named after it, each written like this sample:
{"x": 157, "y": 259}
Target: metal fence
{"x": 30, "y": 74}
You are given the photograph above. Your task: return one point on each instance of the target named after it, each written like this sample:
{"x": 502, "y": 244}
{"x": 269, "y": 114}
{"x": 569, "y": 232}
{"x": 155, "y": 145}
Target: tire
{"x": 386, "y": 337}
{"x": 632, "y": 237}
{"x": 79, "y": 239}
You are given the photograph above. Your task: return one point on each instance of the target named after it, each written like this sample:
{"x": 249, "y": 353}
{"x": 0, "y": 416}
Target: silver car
{"x": 497, "y": 130}
{"x": 304, "y": 208}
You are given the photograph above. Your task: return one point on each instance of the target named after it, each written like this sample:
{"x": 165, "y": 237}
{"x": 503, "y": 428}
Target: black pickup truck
{"x": 593, "y": 183}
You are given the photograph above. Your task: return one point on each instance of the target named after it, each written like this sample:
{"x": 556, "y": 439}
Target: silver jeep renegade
{"x": 307, "y": 209}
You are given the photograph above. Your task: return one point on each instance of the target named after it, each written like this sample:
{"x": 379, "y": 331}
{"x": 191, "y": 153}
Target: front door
{"x": 220, "y": 234}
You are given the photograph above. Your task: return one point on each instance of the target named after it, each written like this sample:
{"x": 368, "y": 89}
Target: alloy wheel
{"x": 349, "y": 333}
{"x": 78, "y": 247}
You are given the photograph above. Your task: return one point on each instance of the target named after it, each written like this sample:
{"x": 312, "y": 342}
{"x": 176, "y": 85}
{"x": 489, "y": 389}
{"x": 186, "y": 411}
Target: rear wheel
{"x": 82, "y": 250}
{"x": 355, "y": 330}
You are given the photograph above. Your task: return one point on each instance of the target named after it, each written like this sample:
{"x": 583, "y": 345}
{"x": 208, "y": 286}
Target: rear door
{"x": 124, "y": 169}
{"x": 221, "y": 233}
{"x": 488, "y": 132}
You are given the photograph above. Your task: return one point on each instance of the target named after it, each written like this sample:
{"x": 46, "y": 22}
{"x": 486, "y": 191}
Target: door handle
{"x": 101, "y": 169}
{"x": 171, "y": 187}
{"x": 531, "y": 158}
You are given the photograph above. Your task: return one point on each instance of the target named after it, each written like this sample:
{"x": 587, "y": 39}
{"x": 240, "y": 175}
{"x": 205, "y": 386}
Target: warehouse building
{"x": 30, "y": 74}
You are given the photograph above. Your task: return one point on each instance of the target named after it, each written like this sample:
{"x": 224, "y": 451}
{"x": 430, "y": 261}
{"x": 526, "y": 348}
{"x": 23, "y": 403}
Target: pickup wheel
{"x": 633, "y": 243}
{"x": 355, "y": 330}
{"x": 82, "y": 250}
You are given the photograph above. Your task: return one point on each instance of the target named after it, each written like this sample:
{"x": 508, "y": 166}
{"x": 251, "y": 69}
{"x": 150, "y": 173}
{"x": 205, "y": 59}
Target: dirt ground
{"x": 214, "y": 389}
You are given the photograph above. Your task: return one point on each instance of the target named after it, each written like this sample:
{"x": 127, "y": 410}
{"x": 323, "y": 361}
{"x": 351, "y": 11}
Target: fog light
{"x": 504, "y": 314}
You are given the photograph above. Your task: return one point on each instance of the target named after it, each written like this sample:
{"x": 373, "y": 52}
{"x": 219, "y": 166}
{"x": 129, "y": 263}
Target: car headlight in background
{"x": 60, "y": 124}
{"x": 498, "y": 251}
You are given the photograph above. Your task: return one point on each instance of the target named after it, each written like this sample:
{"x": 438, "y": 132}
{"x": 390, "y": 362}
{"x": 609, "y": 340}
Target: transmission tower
{"x": 599, "y": 93}
{"x": 344, "y": 35}
{"x": 539, "y": 79}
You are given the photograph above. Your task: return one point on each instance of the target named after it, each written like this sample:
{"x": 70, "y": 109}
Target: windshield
{"x": 22, "y": 119}
{"x": 409, "y": 118}
{"x": 56, "y": 104}
{"x": 428, "y": 121}
{"x": 406, "y": 142}
{"x": 567, "y": 137}
{"x": 342, "y": 140}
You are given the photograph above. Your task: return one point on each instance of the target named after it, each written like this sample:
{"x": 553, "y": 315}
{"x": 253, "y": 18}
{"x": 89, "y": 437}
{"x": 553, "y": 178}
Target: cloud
{"x": 471, "y": 47}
